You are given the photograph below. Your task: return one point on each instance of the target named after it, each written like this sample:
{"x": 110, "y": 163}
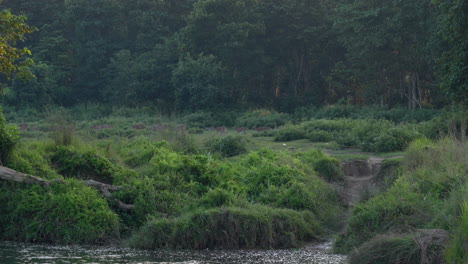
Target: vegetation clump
{"x": 229, "y": 228}
{"x": 67, "y": 212}
{"x": 8, "y": 138}
{"x": 427, "y": 195}
{"x": 73, "y": 162}
{"x": 228, "y": 146}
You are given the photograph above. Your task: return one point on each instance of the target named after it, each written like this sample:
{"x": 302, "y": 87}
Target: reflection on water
{"x": 12, "y": 253}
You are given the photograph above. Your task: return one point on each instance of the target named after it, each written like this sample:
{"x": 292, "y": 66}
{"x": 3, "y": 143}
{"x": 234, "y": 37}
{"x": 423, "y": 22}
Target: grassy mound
{"x": 229, "y": 228}
{"x": 427, "y": 195}
{"x": 65, "y": 212}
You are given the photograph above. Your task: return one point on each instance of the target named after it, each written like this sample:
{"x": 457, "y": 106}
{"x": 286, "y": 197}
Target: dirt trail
{"x": 358, "y": 176}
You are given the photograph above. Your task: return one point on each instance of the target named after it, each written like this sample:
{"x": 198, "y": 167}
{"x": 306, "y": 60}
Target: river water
{"x": 13, "y": 253}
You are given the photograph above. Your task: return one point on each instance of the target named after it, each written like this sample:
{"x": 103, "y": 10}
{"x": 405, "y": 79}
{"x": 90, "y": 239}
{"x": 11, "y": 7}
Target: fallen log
{"x": 8, "y": 174}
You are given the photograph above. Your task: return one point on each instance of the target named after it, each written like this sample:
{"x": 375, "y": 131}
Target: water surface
{"x": 12, "y": 253}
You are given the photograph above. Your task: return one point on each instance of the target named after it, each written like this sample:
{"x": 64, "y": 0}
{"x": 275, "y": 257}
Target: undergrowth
{"x": 428, "y": 194}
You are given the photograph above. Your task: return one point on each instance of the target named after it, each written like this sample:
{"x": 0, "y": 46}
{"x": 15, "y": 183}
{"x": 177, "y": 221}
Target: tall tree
{"x": 386, "y": 43}
{"x": 233, "y": 32}
{"x": 453, "y": 19}
{"x": 13, "y": 29}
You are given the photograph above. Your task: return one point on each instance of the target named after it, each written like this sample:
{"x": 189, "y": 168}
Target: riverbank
{"x": 188, "y": 188}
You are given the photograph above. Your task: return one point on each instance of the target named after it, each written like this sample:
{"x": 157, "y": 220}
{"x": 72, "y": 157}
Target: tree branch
{"x": 8, "y": 174}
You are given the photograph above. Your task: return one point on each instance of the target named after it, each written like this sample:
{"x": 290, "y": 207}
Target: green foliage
{"x": 319, "y": 136}
{"x": 290, "y": 133}
{"x": 329, "y": 168}
{"x": 452, "y": 62}
{"x": 390, "y": 61}
{"x": 217, "y": 198}
{"x": 198, "y": 83}
{"x": 65, "y": 212}
{"x": 31, "y": 159}
{"x": 456, "y": 249}
{"x": 202, "y": 119}
{"x": 8, "y": 138}
{"x": 262, "y": 118}
{"x": 348, "y": 111}
{"x": 229, "y": 228}
{"x": 431, "y": 179}
{"x": 387, "y": 249}
{"x": 228, "y": 146}
{"x": 389, "y": 172}
{"x": 369, "y": 135}
{"x": 168, "y": 183}
{"x": 179, "y": 139}
{"x": 12, "y": 29}
{"x": 73, "y": 162}
{"x": 240, "y": 54}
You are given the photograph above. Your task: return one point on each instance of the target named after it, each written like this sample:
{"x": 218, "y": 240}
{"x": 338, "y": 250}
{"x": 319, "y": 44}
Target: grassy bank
{"x": 250, "y": 188}
{"x": 179, "y": 185}
{"x": 431, "y": 193}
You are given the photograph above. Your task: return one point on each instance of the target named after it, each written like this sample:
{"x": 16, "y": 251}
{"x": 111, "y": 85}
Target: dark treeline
{"x": 190, "y": 55}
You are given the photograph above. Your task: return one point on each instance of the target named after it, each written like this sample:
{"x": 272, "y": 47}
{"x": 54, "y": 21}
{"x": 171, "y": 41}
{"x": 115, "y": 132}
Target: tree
{"x": 387, "y": 48}
{"x": 199, "y": 83}
{"x": 13, "y": 29}
{"x": 453, "y": 70}
{"x": 233, "y": 32}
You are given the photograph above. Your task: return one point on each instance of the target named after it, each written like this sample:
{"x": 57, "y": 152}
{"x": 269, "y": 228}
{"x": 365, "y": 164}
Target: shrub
{"x": 397, "y": 208}
{"x": 139, "y": 151}
{"x": 152, "y": 196}
{"x": 178, "y": 138}
{"x": 395, "y": 139}
{"x": 204, "y": 119}
{"x": 279, "y": 180}
{"x": 199, "y": 119}
{"x": 229, "y": 228}
{"x": 67, "y": 212}
{"x": 330, "y": 169}
{"x": 73, "y": 162}
{"x": 387, "y": 249}
{"x": 327, "y": 167}
{"x": 217, "y": 198}
{"x": 290, "y": 133}
{"x": 336, "y": 111}
{"x": 262, "y": 118}
{"x": 427, "y": 194}
{"x": 319, "y": 136}
{"x": 61, "y": 125}
{"x": 455, "y": 251}
{"x": 8, "y": 138}
{"x": 229, "y": 146}
{"x": 29, "y": 159}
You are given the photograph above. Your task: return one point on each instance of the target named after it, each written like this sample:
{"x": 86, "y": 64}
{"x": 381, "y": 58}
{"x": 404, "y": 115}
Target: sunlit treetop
{"x": 13, "y": 60}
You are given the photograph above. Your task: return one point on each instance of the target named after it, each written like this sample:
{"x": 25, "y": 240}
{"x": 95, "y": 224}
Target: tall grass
{"x": 456, "y": 250}
{"x": 66, "y": 212}
{"x": 229, "y": 228}
{"x": 427, "y": 195}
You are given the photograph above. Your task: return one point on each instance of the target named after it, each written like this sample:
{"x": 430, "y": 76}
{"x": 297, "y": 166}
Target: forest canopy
{"x": 191, "y": 55}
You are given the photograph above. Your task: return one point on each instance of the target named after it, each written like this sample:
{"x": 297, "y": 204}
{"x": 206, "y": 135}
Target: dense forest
{"x": 193, "y": 55}
{"x": 237, "y": 124}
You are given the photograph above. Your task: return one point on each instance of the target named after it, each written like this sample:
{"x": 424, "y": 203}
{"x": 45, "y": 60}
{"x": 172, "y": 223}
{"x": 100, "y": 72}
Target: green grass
{"x": 428, "y": 194}
{"x": 180, "y": 187}
{"x": 229, "y": 228}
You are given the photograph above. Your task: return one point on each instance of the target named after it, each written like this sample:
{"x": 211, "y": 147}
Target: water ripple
{"x": 13, "y": 253}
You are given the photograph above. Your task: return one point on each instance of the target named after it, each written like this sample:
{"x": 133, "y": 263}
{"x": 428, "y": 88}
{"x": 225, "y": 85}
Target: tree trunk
{"x": 8, "y": 174}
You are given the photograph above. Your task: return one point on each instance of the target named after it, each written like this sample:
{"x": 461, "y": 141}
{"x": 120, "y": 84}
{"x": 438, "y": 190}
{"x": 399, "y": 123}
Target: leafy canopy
{"x": 12, "y": 29}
